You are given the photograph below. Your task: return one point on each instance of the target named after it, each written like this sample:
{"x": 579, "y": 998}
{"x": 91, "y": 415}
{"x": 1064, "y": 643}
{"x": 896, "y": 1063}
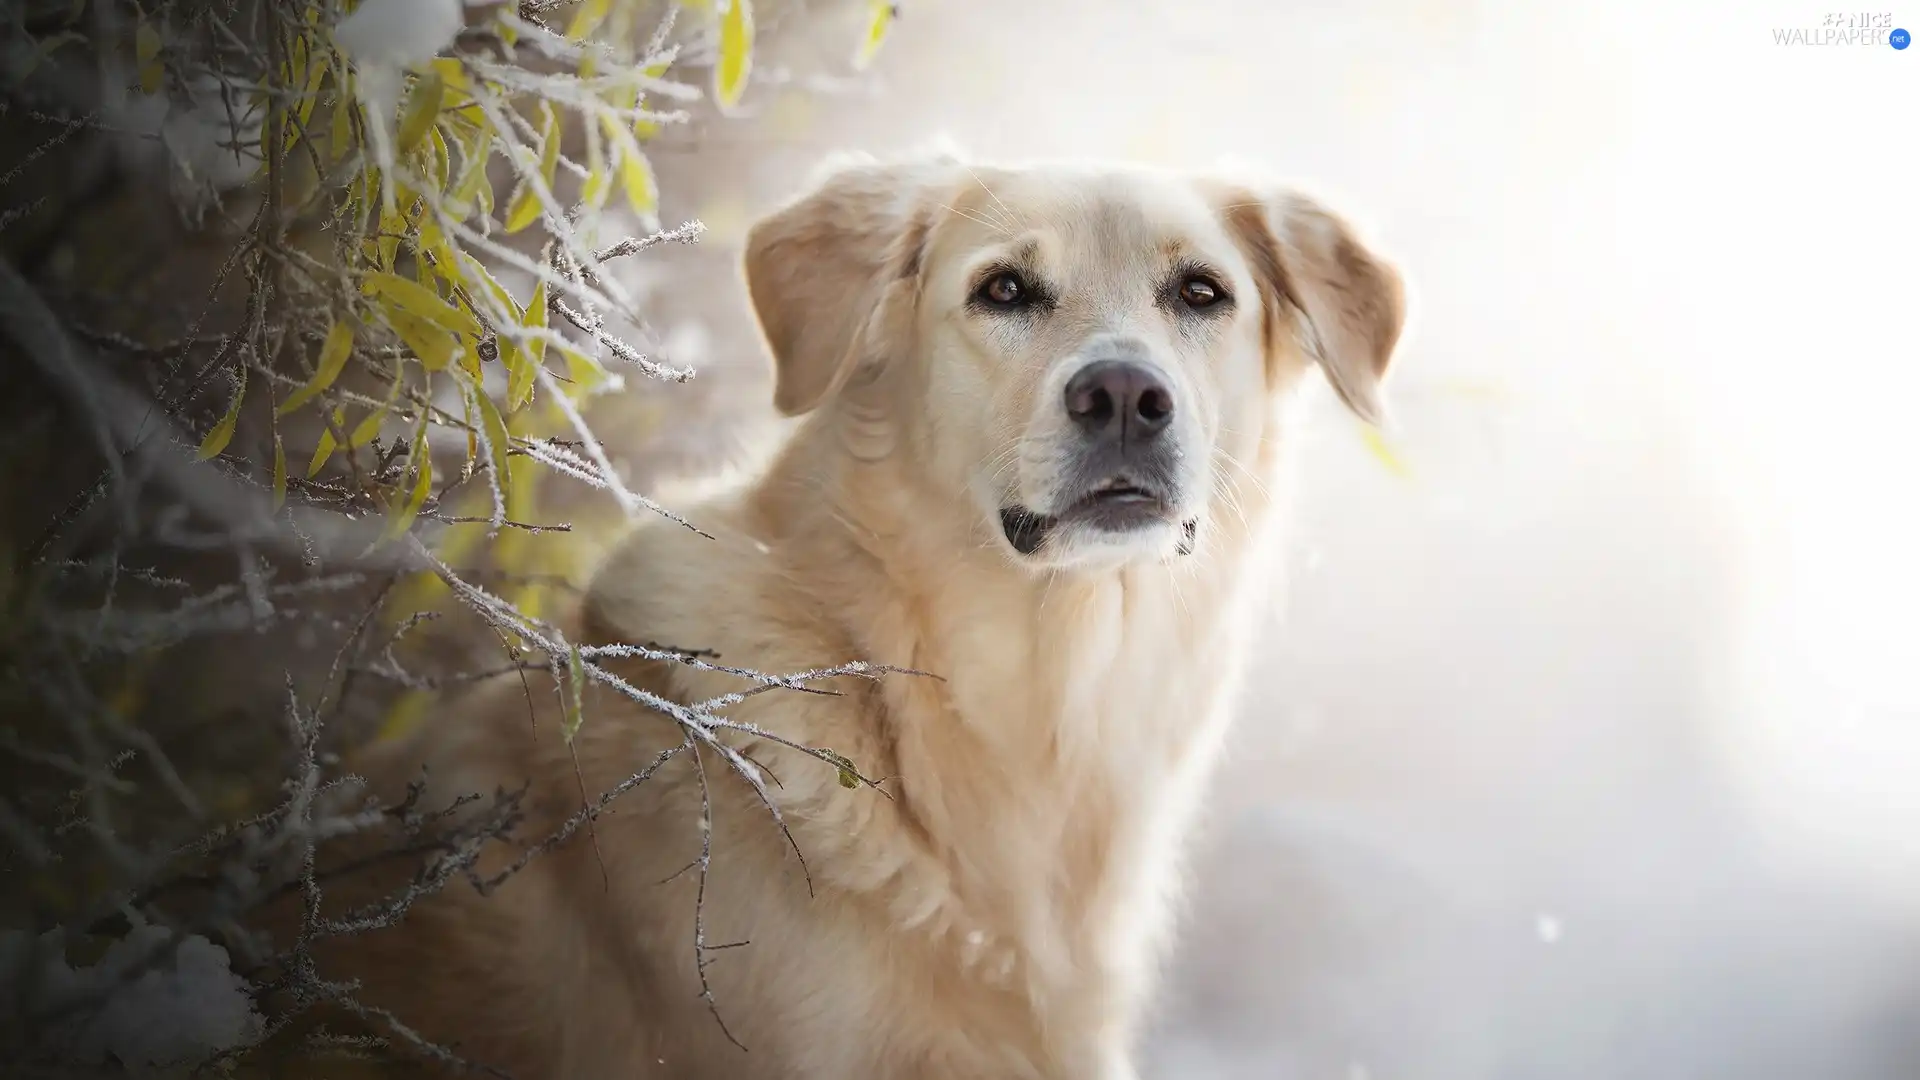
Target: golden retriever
{"x": 1041, "y": 414}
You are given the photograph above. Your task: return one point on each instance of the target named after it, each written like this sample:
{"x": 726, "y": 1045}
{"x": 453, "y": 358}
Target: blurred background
{"x": 1586, "y": 740}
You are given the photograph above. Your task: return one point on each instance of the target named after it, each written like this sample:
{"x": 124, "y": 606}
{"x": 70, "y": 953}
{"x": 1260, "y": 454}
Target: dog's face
{"x": 1086, "y": 357}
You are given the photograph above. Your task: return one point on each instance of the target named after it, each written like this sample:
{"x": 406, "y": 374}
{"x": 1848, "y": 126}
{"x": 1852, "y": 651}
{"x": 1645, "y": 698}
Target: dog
{"x": 1042, "y": 413}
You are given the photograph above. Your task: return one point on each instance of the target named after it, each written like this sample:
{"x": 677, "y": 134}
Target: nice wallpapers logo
{"x": 1854, "y": 28}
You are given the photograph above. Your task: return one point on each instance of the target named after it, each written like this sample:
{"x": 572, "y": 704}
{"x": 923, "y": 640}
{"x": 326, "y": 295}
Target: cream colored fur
{"x": 995, "y": 907}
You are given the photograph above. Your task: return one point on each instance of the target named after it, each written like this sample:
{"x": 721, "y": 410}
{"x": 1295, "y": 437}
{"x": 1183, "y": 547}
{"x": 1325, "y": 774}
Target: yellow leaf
{"x": 473, "y": 176}
{"x": 279, "y": 472}
{"x": 736, "y": 52}
{"x": 636, "y": 172}
{"x": 402, "y": 519}
{"x": 1383, "y": 451}
{"x": 587, "y": 18}
{"x": 473, "y": 273}
{"x": 498, "y": 441}
{"x": 453, "y": 74}
{"x": 537, "y": 319}
{"x": 222, "y": 432}
{"x": 146, "y": 55}
{"x": 593, "y": 191}
{"x": 643, "y": 128}
{"x": 405, "y": 713}
{"x": 364, "y": 432}
{"x": 523, "y": 361}
{"x": 333, "y": 360}
{"x": 421, "y": 110}
{"x": 526, "y": 206}
{"x": 432, "y": 345}
{"x": 585, "y": 372}
{"x": 340, "y": 135}
{"x": 549, "y": 142}
{"x": 421, "y": 302}
{"x": 308, "y": 71}
{"x": 879, "y": 21}
{"x": 325, "y": 450}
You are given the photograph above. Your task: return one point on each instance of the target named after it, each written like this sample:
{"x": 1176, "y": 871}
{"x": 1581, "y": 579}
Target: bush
{"x": 243, "y": 482}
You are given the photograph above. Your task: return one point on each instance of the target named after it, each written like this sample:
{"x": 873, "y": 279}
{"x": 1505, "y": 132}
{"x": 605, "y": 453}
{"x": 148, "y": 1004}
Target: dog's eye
{"x": 1201, "y": 292}
{"x": 1004, "y": 289}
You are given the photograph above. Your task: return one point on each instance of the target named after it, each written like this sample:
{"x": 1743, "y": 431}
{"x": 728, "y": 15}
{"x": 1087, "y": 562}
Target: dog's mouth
{"x": 1119, "y": 504}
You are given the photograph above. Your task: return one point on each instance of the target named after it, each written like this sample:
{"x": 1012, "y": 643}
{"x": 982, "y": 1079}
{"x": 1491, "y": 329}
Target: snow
{"x": 184, "y": 1009}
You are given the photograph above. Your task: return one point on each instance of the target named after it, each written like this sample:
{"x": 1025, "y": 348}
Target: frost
{"x": 398, "y": 33}
{"x": 382, "y": 38}
{"x": 185, "y": 1008}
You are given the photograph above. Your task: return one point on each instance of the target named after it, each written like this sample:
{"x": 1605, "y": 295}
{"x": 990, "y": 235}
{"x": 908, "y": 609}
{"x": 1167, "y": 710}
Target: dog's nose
{"x": 1119, "y": 399}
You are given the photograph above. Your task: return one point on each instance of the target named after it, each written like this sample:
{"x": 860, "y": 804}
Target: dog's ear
{"x": 1346, "y": 304}
{"x": 831, "y": 270}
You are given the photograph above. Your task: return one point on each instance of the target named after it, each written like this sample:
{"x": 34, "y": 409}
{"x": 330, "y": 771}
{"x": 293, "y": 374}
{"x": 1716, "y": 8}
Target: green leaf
{"x": 576, "y": 692}
{"x": 736, "y": 52}
{"x": 333, "y": 360}
{"x": 222, "y": 433}
{"x": 849, "y": 774}
{"x": 422, "y": 109}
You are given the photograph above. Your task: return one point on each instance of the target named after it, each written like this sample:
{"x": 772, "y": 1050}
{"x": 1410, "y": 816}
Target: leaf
{"x": 643, "y": 128}
{"x": 146, "y": 55}
{"x": 432, "y": 345}
{"x": 222, "y": 432}
{"x": 736, "y": 52}
{"x": 405, "y": 713}
{"x": 879, "y": 21}
{"x": 422, "y": 109}
{"x": 402, "y": 519}
{"x": 849, "y": 774}
{"x": 327, "y": 444}
{"x": 587, "y": 374}
{"x": 340, "y": 133}
{"x": 587, "y": 18}
{"x": 279, "y": 473}
{"x": 459, "y": 88}
{"x": 364, "y": 432}
{"x": 42, "y": 51}
{"x": 1383, "y": 451}
{"x": 576, "y": 691}
{"x": 636, "y": 172}
{"x": 473, "y": 176}
{"x": 593, "y": 191}
{"x": 333, "y": 359}
{"x": 526, "y": 205}
{"x": 498, "y": 441}
{"x": 420, "y": 302}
